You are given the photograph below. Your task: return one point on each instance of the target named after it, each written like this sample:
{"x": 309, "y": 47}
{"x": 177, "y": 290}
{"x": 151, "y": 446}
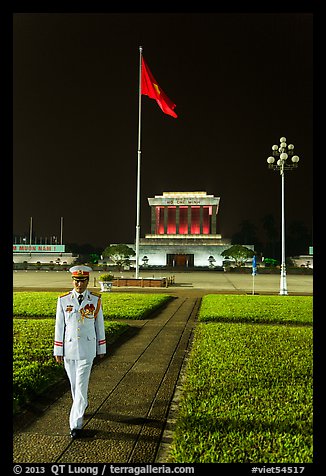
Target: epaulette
{"x": 65, "y": 294}
{"x": 96, "y": 294}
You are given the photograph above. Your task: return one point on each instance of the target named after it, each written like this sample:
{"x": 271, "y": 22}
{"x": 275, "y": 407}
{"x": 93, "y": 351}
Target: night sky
{"x": 240, "y": 81}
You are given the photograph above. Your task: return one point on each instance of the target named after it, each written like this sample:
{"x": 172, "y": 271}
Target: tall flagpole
{"x": 30, "y": 236}
{"x": 61, "y": 230}
{"x": 138, "y": 168}
{"x": 30, "y": 231}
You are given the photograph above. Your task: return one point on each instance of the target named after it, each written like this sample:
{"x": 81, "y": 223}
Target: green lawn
{"x": 257, "y": 308}
{"x": 115, "y": 305}
{"x": 247, "y": 396}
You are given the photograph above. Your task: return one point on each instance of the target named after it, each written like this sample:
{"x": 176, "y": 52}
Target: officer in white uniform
{"x": 79, "y": 336}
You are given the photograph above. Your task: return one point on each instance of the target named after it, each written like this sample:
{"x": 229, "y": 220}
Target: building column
{"x": 165, "y": 220}
{"x": 201, "y": 219}
{"x": 154, "y": 225}
{"x": 213, "y": 220}
{"x": 189, "y": 220}
{"x": 177, "y": 219}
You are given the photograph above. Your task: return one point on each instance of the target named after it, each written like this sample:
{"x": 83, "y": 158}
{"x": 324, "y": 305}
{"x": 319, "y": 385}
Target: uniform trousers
{"x": 78, "y": 372}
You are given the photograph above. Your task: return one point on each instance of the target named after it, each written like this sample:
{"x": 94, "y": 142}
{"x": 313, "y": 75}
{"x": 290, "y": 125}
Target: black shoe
{"x": 75, "y": 433}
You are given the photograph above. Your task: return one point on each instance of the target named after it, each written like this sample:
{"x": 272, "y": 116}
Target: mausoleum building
{"x": 183, "y": 231}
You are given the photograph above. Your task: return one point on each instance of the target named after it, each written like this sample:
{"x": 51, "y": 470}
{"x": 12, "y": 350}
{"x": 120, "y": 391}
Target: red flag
{"x": 150, "y": 88}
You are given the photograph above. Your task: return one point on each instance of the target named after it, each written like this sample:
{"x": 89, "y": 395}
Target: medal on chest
{"x": 87, "y": 312}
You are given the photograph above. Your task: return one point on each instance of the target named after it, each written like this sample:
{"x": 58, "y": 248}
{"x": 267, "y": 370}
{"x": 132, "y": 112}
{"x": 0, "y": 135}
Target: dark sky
{"x": 240, "y": 81}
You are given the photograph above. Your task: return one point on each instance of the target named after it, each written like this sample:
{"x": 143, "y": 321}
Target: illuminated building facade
{"x": 183, "y": 232}
{"x": 183, "y": 214}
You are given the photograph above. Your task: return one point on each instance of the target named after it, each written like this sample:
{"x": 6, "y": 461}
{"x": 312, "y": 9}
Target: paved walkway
{"x": 129, "y": 398}
{"x": 192, "y": 283}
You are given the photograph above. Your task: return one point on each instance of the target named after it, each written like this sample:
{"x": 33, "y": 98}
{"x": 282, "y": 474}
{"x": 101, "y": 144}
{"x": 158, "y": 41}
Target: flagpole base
{"x": 283, "y": 284}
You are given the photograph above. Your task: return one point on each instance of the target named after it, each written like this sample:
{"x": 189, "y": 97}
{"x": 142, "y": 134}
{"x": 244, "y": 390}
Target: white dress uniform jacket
{"x": 79, "y": 328}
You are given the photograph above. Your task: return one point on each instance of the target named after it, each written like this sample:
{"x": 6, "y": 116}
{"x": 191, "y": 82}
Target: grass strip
{"x": 115, "y": 305}
{"x": 257, "y": 308}
{"x": 247, "y": 396}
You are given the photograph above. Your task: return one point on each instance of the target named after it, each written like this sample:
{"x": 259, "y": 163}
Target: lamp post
{"x": 283, "y": 152}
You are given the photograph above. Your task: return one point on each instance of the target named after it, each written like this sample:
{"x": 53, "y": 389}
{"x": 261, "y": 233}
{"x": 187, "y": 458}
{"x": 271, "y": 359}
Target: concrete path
{"x": 129, "y": 398}
{"x": 192, "y": 283}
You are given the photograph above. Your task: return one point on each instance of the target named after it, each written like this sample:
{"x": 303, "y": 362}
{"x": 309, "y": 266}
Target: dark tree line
{"x": 87, "y": 253}
{"x": 267, "y": 242}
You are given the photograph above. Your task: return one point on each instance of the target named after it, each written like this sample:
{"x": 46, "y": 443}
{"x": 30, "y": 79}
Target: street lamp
{"x": 283, "y": 152}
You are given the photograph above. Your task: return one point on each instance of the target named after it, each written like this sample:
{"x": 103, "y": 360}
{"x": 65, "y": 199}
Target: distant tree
{"x": 238, "y": 253}
{"x": 270, "y": 262}
{"x": 72, "y": 248}
{"x": 246, "y": 235}
{"x": 298, "y": 239}
{"x": 119, "y": 254}
{"x": 86, "y": 252}
{"x": 272, "y": 235}
{"x": 94, "y": 257}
